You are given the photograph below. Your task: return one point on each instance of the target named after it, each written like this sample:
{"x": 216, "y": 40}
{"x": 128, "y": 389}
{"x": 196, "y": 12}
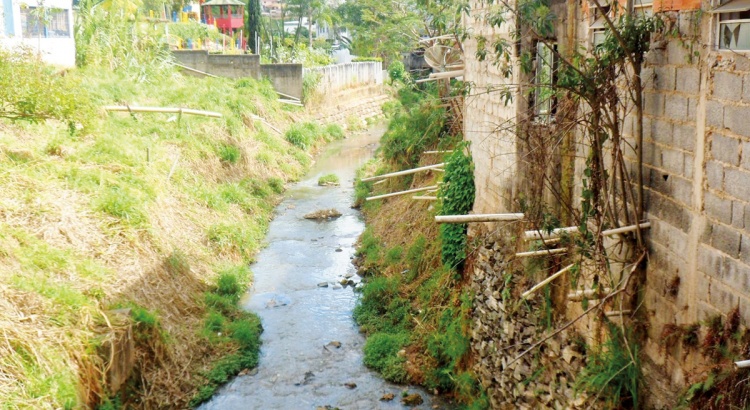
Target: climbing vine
{"x": 457, "y": 198}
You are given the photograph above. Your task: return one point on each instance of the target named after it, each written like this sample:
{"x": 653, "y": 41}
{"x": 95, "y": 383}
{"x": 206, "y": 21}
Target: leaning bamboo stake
{"x": 578, "y": 295}
{"x": 556, "y": 233}
{"x": 290, "y": 102}
{"x": 410, "y": 191}
{"x": 406, "y": 172}
{"x": 193, "y": 70}
{"x": 447, "y": 74}
{"x": 460, "y": 219}
{"x": 546, "y": 281}
{"x": 424, "y": 198}
{"x": 382, "y": 181}
{"x": 613, "y": 313}
{"x": 543, "y": 252}
{"x": 742, "y": 364}
{"x": 127, "y": 108}
{"x": 437, "y": 152}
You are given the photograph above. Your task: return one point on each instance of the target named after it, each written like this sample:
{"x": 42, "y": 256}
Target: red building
{"x": 227, "y": 15}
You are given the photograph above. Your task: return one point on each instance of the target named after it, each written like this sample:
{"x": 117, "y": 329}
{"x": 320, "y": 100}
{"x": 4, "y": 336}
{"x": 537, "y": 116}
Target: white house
{"x": 45, "y": 26}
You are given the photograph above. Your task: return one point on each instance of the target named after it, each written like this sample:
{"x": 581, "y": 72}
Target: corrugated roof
{"x": 223, "y": 3}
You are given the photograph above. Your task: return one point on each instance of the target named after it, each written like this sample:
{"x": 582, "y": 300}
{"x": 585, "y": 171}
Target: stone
{"x": 387, "y": 397}
{"x": 334, "y": 343}
{"x": 413, "y": 399}
{"x": 323, "y": 214}
{"x": 339, "y": 250}
{"x": 323, "y": 284}
{"x": 350, "y": 385}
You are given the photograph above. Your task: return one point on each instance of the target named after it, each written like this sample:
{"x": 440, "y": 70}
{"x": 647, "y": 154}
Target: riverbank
{"x": 124, "y": 241}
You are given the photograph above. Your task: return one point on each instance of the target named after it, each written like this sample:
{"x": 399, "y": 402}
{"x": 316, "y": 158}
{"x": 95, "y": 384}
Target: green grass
{"x": 328, "y": 179}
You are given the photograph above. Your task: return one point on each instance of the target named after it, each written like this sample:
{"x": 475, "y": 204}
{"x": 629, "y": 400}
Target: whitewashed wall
{"x": 342, "y": 76}
{"x": 57, "y": 51}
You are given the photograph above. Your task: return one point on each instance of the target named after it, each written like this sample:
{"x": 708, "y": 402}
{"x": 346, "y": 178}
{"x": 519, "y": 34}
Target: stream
{"x": 300, "y": 365}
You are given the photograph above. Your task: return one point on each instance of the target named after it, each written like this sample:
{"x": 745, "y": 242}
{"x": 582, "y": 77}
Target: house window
{"x": 733, "y": 30}
{"x": 544, "y": 78}
{"x": 49, "y": 23}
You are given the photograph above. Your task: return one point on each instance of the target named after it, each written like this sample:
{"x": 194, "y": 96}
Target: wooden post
{"x": 460, "y": 219}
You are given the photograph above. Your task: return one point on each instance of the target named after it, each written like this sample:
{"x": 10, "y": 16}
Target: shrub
{"x": 304, "y": 135}
{"x": 121, "y": 204}
{"x": 457, "y": 198}
{"x": 335, "y": 132}
{"x": 229, "y": 153}
{"x": 397, "y": 71}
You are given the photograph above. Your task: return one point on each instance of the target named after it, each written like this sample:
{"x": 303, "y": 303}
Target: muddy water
{"x": 299, "y": 367}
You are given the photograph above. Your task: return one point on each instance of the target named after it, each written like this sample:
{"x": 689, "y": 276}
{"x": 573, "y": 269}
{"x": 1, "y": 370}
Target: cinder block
{"x": 725, "y": 239}
{"x": 722, "y": 298}
{"x": 684, "y": 137}
{"x": 710, "y": 261}
{"x": 714, "y": 114}
{"x": 715, "y": 175}
{"x": 745, "y": 160}
{"x": 653, "y": 104}
{"x": 692, "y": 108}
{"x": 725, "y": 149}
{"x": 676, "y": 53}
{"x": 688, "y": 168}
{"x": 676, "y": 107}
{"x": 738, "y": 214}
{"x": 745, "y": 249}
{"x": 672, "y": 161}
{"x": 682, "y": 190}
{"x": 735, "y": 274}
{"x": 735, "y": 118}
{"x": 661, "y": 131}
{"x": 745, "y": 85}
{"x": 688, "y": 80}
{"x": 737, "y": 183}
{"x": 664, "y": 78}
{"x": 718, "y": 208}
{"x": 727, "y": 86}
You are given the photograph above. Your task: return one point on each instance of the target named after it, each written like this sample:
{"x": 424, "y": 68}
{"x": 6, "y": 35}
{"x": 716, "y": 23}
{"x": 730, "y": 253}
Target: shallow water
{"x": 298, "y": 368}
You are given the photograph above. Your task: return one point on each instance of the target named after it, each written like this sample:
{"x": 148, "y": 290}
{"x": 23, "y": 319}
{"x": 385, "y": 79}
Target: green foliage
{"x": 393, "y": 255}
{"x": 381, "y": 354}
{"x": 229, "y": 153}
{"x": 457, "y": 198}
{"x": 33, "y": 91}
{"x": 334, "y": 131}
{"x": 328, "y": 179}
{"x": 397, "y": 72}
{"x": 612, "y": 372}
{"x": 448, "y": 344}
{"x": 418, "y": 125}
{"x": 305, "y": 135}
{"x": 192, "y": 30}
{"x": 310, "y": 82}
{"x": 122, "y": 203}
{"x": 241, "y": 238}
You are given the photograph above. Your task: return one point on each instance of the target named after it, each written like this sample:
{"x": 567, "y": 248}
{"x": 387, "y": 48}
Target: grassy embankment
{"x": 414, "y": 308}
{"x": 142, "y": 225}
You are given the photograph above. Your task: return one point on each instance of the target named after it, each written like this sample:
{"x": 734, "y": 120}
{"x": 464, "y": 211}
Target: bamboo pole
{"x": 424, "y": 80}
{"x": 556, "y": 233}
{"x": 127, "y": 108}
{"x": 438, "y": 152}
{"x": 546, "y": 281}
{"x": 410, "y": 191}
{"x": 193, "y": 70}
{"x": 543, "y": 252}
{"x": 578, "y": 295}
{"x": 447, "y": 74}
{"x": 742, "y": 364}
{"x": 424, "y": 198}
{"x": 406, "y": 172}
{"x": 287, "y": 96}
{"x": 266, "y": 123}
{"x": 612, "y": 313}
{"x": 380, "y": 182}
{"x": 290, "y": 102}
{"x": 460, "y": 219}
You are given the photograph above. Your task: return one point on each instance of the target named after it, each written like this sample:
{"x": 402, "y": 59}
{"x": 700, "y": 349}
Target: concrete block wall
{"x": 696, "y": 170}
{"x": 489, "y": 120}
{"x": 338, "y": 77}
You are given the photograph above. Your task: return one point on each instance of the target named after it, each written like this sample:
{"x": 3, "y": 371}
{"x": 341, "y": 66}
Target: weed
{"x": 382, "y": 354}
{"x": 177, "y": 263}
{"x": 393, "y": 255}
{"x": 123, "y": 205}
{"x": 214, "y": 322}
{"x": 229, "y": 153}
{"x": 612, "y": 373}
{"x": 335, "y": 132}
{"x": 457, "y": 197}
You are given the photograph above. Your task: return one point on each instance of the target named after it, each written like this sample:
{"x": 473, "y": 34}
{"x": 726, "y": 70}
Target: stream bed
{"x": 304, "y": 309}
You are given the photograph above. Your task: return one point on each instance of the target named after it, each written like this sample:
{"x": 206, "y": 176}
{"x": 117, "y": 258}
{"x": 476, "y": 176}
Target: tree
{"x": 254, "y": 24}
